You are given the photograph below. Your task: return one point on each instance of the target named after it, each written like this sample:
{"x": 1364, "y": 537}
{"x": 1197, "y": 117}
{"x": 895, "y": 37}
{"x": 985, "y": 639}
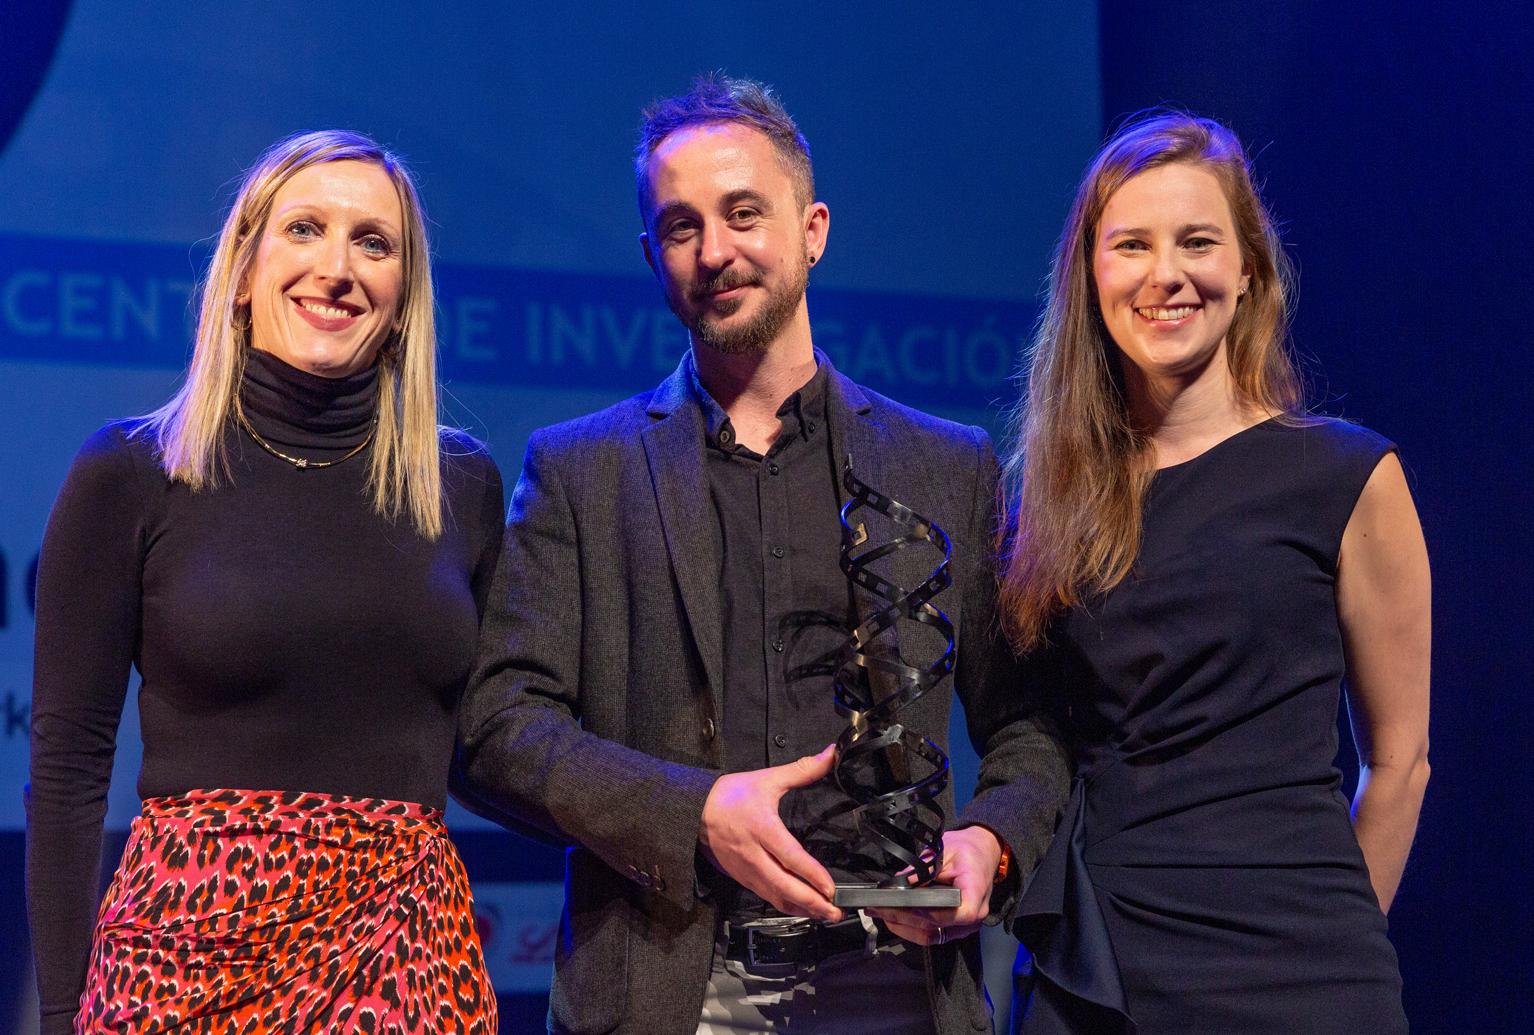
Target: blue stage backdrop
{"x": 946, "y": 150}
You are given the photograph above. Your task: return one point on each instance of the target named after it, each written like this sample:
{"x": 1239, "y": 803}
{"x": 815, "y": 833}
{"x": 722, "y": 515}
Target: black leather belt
{"x": 777, "y": 950}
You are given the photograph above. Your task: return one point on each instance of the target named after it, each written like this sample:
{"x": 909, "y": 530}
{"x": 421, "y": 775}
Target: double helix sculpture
{"x": 893, "y": 774}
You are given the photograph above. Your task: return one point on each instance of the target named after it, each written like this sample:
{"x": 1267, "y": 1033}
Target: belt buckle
{"x": 765, "y": 955}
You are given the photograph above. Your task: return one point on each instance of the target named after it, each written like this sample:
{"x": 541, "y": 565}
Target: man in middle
{"x": 670, "y": 566}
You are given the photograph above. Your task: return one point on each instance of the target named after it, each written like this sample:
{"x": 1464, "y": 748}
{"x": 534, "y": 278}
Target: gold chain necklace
{"x": 298, "y": 461}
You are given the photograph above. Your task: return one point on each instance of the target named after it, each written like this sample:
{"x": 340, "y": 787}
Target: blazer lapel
{"x": 854, "y": 431}
{"x": 885, "y": 464}
{"x": 857, "y": 436}
{"x": 673, "y": 448}
{"x": 879, "y": 461}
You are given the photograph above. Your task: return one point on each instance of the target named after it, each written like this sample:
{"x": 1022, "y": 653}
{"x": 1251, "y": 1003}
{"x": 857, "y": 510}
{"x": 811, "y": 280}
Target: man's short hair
{"x": 716, "y": 98}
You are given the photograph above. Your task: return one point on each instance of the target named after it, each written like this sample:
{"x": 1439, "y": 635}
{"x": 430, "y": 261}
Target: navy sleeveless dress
{"x": 1205, "y": 877}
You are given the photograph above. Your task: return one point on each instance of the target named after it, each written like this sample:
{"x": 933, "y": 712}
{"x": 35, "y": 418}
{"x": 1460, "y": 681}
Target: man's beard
{"x": 754, "y": 336}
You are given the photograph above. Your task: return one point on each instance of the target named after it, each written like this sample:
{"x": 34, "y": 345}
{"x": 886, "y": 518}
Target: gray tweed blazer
{"x": 593, "y": 718}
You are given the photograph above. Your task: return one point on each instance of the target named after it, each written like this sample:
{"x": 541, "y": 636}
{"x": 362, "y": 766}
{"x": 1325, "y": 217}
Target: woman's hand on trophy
{"x": 743, "y": 836}
{"x": 970, "y": 858}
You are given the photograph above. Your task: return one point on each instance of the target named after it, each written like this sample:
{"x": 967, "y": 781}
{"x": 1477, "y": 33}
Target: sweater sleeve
{"x": 492, "y": 523}
{"x": 88, "y": 604}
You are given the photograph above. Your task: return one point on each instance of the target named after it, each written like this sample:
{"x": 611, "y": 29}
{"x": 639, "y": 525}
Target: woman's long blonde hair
{"x": 1076, "y": 472}
{"x": 405, "y": 472}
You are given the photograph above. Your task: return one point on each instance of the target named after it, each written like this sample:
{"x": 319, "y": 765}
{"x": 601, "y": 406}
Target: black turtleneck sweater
{"x": 287, "y": 636}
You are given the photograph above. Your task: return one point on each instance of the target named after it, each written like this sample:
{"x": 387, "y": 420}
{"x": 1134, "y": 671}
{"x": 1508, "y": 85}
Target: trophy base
{"x": 861, "y": 896}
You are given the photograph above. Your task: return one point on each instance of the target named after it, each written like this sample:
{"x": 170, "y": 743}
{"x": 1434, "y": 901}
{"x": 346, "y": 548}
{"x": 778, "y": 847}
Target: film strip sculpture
{"x": 893, "y": 774}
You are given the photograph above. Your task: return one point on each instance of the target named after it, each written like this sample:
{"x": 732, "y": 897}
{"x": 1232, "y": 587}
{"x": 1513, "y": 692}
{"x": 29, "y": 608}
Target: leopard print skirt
{"x": 268, "y": 911}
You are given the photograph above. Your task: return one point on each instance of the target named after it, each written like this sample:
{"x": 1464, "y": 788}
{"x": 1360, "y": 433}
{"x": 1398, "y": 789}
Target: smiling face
{"x": 1168, "y": 268}
{"x": 727, "y": 238}
{"x": 327, "y": 276}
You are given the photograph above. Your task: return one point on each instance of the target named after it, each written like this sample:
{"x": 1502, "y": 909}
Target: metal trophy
{"x": 892, "y": 774}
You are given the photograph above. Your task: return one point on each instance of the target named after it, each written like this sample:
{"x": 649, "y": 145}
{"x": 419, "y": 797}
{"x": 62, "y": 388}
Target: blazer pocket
{"x": 590, "y": 990}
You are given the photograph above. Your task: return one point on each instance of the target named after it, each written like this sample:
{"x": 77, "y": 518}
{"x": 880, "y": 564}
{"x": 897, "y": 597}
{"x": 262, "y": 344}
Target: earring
{"x": 814, "y": 259}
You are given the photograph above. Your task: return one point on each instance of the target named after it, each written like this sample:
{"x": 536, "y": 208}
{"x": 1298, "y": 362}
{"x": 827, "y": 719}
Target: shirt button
{"x": 778, "y": 551}
{"x": 810, "y": 427}
{"x": 726, "y": 436}
{"x": 772, "y": 468}
{"x": 708, "y": 729}
{"x": 777, "y": 645}
{"x": 780, "y": 740}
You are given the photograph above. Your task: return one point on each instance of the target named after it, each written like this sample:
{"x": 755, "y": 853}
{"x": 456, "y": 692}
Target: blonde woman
{"x": 1195, "y": 567}
{"x": 295, "y": 559}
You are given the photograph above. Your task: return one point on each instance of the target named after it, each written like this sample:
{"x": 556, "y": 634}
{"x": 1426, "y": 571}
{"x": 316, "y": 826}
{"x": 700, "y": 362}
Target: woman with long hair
{"x": 1195, "y": 565}
{"x": 295, "y": 557}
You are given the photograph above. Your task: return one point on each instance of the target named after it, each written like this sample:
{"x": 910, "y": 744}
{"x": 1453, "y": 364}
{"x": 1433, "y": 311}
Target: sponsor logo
{"x": 518, "y": 926}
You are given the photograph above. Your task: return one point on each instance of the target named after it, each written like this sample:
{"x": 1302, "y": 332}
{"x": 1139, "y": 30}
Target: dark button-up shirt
{"x": 785, "y": 606}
